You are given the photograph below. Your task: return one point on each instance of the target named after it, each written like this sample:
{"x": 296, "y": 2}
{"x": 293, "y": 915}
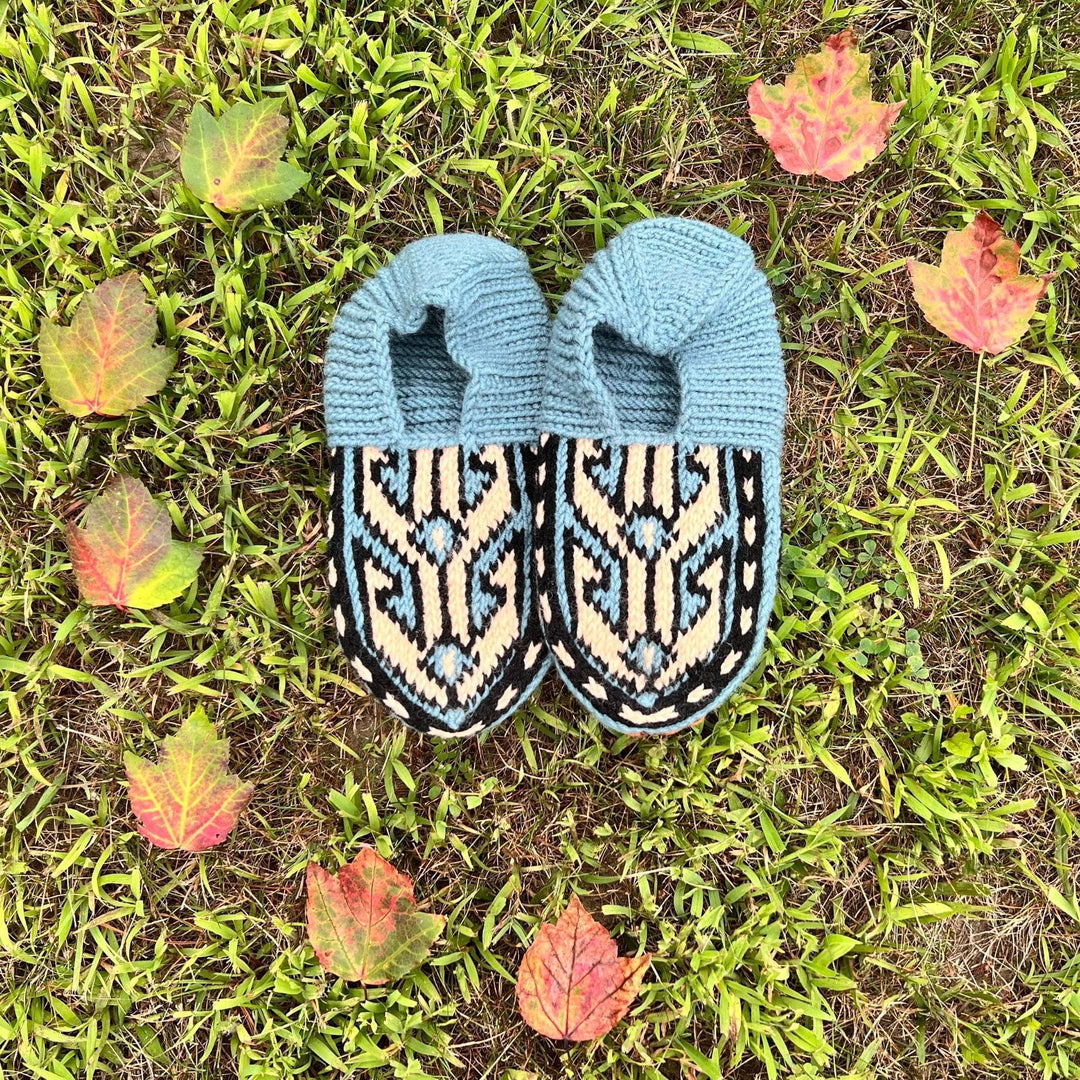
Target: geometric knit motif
{"x": 430, "y": 585}
{"x": 651, "y": 566}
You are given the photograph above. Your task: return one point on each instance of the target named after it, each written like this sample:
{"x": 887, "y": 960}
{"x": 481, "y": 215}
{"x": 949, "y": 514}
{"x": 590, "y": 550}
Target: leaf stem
{"x": 975, "y": 413}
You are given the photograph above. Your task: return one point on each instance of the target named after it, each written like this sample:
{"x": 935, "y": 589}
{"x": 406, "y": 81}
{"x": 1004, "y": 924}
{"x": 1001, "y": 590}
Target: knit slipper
{"x": 432, "y": 391}
{"x": 658, "y": 521}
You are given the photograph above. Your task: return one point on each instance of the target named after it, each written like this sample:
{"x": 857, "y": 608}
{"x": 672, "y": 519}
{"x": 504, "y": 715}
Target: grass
{"x": 866, "y": 866}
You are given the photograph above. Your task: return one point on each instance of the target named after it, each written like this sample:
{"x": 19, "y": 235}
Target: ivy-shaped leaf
{"x": 235, "y": 162}
{"x": 106, "y": 361}
{"x": 124, "y": 554}
{"x": 188, "y": 800}
{"x": 822, "y": 121}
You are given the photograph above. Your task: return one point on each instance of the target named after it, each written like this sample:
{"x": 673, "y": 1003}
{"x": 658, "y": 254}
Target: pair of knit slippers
{"x": 602, "y": 492}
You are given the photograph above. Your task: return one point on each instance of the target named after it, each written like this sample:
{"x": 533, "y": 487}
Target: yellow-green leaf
{"x": 125, "y": 555}
{"x": 106, "y": 361}
{"x": 188, "y": 800}
{"x": 235, "y": 162}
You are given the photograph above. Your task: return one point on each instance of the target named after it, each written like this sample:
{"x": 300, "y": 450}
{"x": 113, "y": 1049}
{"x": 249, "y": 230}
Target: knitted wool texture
{"x": 431, "y": 396}
{"x": 658, "y": 526}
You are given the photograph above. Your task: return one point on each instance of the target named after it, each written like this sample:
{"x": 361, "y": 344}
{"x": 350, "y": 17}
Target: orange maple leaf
{"x": 822, "y": 121}
{"x": 977, "y": 296}
{"x": 573, "y": 984}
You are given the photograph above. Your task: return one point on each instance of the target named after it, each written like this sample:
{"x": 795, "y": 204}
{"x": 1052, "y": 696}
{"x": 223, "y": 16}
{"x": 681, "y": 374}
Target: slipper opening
{"x": 430, "y": 386}
{"x": 644, "y": 386}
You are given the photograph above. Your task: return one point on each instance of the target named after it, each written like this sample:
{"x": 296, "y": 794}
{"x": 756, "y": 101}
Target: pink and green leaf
{"x": 188, "y": 800}
{"x": 823, "y": 121}
{"x": 572, "y": 984}
{"x": 977, "y": 296}
{"x": 124, "y": 554}
{"x": 364, "y": 924}
{"x": 235, "y": 162}
{"x": 106, "y": 361}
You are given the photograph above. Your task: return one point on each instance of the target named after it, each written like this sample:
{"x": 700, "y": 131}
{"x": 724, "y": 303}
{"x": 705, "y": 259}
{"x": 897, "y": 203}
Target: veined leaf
{"x": 364, "y": 924}
{"x": 188, "y": 801}
{"x": 124, "y": 554}
{"x": 573, "y": 984}
{"x": 822, "y": 121}
{"x": 235, "y": 162}
{"x": 977, "y": 295}
{"x": 106, "y": 361}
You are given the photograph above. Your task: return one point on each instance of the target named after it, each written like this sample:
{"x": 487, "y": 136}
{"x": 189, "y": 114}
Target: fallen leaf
{"x": 106, "y": 361}
{"x": 188, "y": 801}
{"x": 572, "y": 983}
{"x": 977, "y": 296}
{"x": 364, "y": 924}
{"x": 822, "y": 121}
{"x": 235, "y": 162}
{"x": 125, "y": 555}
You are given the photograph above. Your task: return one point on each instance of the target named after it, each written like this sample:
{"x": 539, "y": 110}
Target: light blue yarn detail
{"x": 566, "y": 520}
{"x": 610, "y": 598}
{"x": 670, "y": 307}
{"x": 713, "y": 539}
{"x": 483, "y": 601}
{"x": 459, "y": 661}
{"x": 444, "y": 345}
{"x": 401, "y": 603}
{"x": 732, "y": 523}
{"x": 436, "y": 536}
{"x": 351, "y": 524}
